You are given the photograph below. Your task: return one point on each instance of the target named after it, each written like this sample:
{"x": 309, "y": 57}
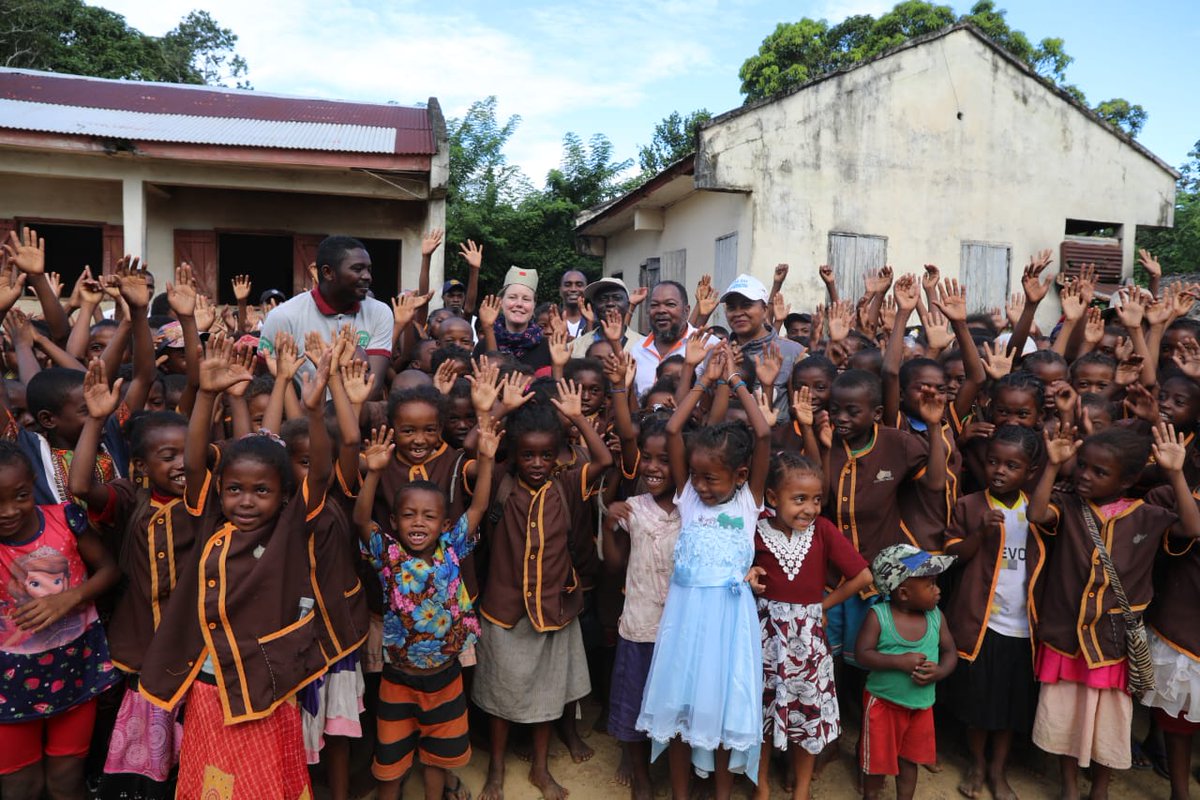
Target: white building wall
{"x": 936, "y": 145}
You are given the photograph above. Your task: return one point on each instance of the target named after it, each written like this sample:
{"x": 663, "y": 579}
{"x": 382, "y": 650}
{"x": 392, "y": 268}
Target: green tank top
{"x": 894, "y": 685}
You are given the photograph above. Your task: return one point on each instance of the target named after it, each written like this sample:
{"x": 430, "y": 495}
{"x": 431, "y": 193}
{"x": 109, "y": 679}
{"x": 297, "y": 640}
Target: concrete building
{"x": 236, "y": 182}
{"x": 946, "y": 150}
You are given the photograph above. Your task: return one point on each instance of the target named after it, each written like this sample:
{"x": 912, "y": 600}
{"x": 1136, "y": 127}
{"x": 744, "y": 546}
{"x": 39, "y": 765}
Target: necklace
{"x": 789, "y": 551}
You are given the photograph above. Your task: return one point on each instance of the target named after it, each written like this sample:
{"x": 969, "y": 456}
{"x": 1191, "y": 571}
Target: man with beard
{"x": 604, "y": 295}
{"x": 341, "y": 297}
{"x": 746, "y": 313}
{"x": 570, "y": 290}
{"x": 669, "y": 329}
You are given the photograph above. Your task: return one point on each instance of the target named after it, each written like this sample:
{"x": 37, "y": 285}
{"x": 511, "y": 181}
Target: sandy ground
{"x": 1033, "y": 775}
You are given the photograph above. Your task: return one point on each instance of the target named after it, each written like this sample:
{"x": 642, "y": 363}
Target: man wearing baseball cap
{"x": 907, "y": 647}
{"x": 746, "y": 314}
{"x": 454, "y": 295}
{"x": 604, "y": 295}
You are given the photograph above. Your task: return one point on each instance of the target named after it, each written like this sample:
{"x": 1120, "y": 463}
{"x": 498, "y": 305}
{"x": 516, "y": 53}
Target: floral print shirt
{"x": 428, "y": 618}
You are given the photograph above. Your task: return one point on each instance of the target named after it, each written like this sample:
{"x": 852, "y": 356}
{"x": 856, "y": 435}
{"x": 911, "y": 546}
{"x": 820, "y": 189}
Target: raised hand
{"x": 472, "y": 253}
{"x": 485, "y": 385}
{"x": 932, "y": 406}
{"x": 287, "y": 356}
{"x": 589, "y": 316}
{"x": 514, "y": 391}
{"x": 1031, "y": 279}
{"x": 1169, "y": 448}
{"x": 706, "y": 295}
{"x": 432, "y": 241}
{"x": 445, "y": 376}
{"x": 87, "y": 289}
{"x": 1093, "y": 329}
{"x": 781, "y": 273}
{"x": 802, "y": 406}
{"x": 488, "y": 443}
{"x": 1013, "y": 309}
{"x": 1149, "y": 263}
{"x": 841, "y": 315}
{"x": 818, "y": 324}
{"x": 717, "y": 366}
{"x": 997, "y": 360}
{"x": 638, "y": 296}
{"x": 826, "y": 273}
{"x": 356, "y": 380}
{"x": 780, "y": 310}
{"x": 950, "y": 299}
{"x": 27, "y": 254}
{"x": 560, "y": 348}
{"x": 1086, "y": 278}
{"x": 181, "y": 294}
{"x": 907, "y": 293}
{"x": 1159, "y": 312}
{"x": 1131, "y": 311}
{"x": 131, "y": 282}
{"x": 569, "y": 401}
{"x": 768, "y": 364}
{"x": 1187, "y": 358}
{"x": 824, "y": 429}
{"x": 1140, "y": 403}
{"x": 12, "y": 283}
{"x": 241, "y": 288}
{"x": 19, "y": 328}
{"x": 206, "y": 314}
{"x": 1123, "y": 349}
{"x": 377, "y": 450}
{"x": 887, "y": 313}
{"x": 878, "y": 281}
{"x": 929, "y": 281}
{"x": 315, "y": 346}
{"x": 554, "y": 322}
{"x": 55, "y": 281}
{"x": 312, "y": 395}
{"x": 937, "y": 332}
{"x": 1072, "y": 302}
{"x": 612, "y": 326}
{"x": 1129, "y": 370}
{"x": 101, "y": 399}
{"x": 489, "y": 310}
{"x": 1062, "y": 445}
{"x": 976, "y": 430}
{"x": 765, "y": 407}
{"x": 1064, "y": 397}
{"x": 219, "y": 369}
{"x": 1183, "y": 300}
{"x": 697, "y": 348}
{"x": 616, "y": 368}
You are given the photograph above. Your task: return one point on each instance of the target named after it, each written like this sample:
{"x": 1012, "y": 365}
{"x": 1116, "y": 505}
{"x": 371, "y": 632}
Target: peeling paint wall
{"x": 936, "y": 145}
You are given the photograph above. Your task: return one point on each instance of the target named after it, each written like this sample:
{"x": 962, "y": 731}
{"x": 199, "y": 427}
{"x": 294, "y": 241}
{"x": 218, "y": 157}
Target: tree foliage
{"x": 71, "y": 37}
{"x": 673, "y": 139}
{"x": 492, "y": 202}
{"x": 1178, "y": 248}
{"x": 797, "y": 52}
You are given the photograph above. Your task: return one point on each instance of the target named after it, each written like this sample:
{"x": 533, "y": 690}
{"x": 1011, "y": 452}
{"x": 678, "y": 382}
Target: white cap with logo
{"x": 748, "y": 287}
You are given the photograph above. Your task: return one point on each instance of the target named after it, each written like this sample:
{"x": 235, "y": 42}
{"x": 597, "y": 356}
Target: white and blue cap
{"x": 748, "y": 287}
{"x": 899, "y": 562}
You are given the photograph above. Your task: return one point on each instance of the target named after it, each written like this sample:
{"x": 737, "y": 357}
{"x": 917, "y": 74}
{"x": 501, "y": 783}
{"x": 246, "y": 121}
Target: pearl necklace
{"x": 789, "y": 551}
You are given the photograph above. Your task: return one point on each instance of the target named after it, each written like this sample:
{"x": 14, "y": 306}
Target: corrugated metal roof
{"x": 50, "y": 102}
{"x": 140, "y": 126}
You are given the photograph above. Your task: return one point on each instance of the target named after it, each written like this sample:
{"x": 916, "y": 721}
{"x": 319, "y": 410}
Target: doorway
{"x": 69, "y": 248}
{"x": 385, "y": 268}
{"x": 267, "y": 259}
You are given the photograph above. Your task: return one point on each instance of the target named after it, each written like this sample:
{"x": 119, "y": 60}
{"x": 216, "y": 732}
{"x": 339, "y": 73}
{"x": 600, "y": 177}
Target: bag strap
{"x": 1090, "y": 518}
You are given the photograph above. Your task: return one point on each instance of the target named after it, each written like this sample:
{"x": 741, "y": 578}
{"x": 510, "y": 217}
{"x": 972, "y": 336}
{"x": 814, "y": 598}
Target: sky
{"x": 618, "y": 67}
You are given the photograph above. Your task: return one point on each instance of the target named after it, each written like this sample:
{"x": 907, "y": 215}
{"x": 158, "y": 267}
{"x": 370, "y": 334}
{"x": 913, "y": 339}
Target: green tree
{"x": 69, "y": 36}
{"x": 674, "y": 138}
{"x": 797, "y": 52}
{"x": 1178, "y": 248}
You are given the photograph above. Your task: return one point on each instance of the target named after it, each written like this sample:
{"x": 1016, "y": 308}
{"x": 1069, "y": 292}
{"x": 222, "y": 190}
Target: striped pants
{"x": 423, "y": 715}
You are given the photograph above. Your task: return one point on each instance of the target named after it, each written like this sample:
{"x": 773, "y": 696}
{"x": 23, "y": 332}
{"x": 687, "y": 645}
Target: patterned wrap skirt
{"x": 800, "y": 704}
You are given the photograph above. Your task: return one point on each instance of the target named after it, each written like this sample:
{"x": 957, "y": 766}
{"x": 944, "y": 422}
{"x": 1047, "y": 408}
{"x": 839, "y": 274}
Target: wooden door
{"x": 304, "y": 252}
{"x": 199, "y": 248}
{"x": 114, "y": 249}
{"x": 983, "y": 271}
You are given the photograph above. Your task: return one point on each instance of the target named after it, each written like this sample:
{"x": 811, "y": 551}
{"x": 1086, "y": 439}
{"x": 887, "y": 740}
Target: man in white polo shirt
{"x": 669, "y": 328}
{"x": 340, "y": 298}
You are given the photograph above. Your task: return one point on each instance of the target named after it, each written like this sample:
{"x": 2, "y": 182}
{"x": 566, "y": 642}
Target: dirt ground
{"x": 1033, "y": 775}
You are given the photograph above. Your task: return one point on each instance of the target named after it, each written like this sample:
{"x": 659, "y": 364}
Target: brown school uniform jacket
{"x": 1177, "y": 590}
{"x": 864, "y": 489}
{"x": 243, "y": 612}
{"x": 971, "y": 604}
{"x": 530, "y": 571}
{"x": 447, "y": 468}
{"x": 153, "y": 538}
{"x": 925, "y": 512}
{"x": 1073, "y": 607}
{"x": 333, "y": 555}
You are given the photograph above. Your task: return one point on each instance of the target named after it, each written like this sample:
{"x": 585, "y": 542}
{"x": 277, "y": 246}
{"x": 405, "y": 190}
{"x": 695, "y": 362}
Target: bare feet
{"x": 576, "y": 746}
{"x": 493, "y": 789}
{"x": 641, "y": 788}
{"x": 972, "y": 784}
{"x": 549, "y": 787}
{"x": 1000, "y": 788}
{"x": 624, "y": 774}
{"x": 935, "y": 767}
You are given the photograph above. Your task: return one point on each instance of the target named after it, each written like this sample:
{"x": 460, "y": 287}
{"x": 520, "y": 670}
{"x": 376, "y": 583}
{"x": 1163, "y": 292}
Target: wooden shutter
{"x": 1104, "y": 252}
{"x": 304, "y": 252}
{"x": 6, "y": 226}
{"x": 724, "y": 271}
{"x": 851, "y": 255}
{"x": 984, "y": 272}
{"x": 199, "y": 248}
{"x": 673, "y": 266}
{"x": 114, "y": 248}
{"x": 650, "y": 278}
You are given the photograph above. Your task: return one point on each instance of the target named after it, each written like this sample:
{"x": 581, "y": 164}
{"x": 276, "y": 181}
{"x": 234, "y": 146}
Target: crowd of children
{"x": 229, "y": 540}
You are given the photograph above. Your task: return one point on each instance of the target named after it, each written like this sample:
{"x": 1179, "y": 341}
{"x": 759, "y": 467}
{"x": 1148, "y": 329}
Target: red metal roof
{"x": 413, "y": 131}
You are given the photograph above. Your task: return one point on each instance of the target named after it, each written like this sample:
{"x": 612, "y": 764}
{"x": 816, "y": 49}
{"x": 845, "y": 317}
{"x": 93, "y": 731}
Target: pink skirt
{"x": 145, "y": 740}
{"x": 1051, "y": 666}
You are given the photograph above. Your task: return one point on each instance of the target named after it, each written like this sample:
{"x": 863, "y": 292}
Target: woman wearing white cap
{"x": 508, "y": 325}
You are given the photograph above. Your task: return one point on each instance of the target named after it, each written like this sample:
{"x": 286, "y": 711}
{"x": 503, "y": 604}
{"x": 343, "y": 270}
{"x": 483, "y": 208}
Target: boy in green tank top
{"x": 907, "y": 648}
